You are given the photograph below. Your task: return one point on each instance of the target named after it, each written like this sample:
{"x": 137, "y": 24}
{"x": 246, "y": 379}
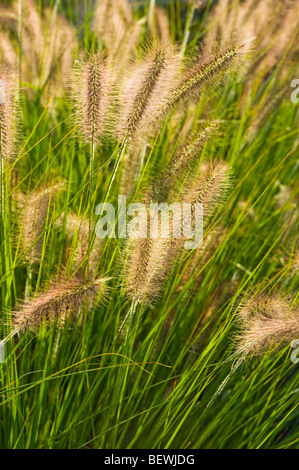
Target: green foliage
{"x": 175, "y": 382}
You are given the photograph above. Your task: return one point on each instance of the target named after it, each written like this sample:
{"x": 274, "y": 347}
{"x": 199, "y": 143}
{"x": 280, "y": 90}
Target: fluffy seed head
{"x": 33, "y": 218}
{"x": 272, "y": 22}
{"x": 112, "y": 18}
{"x": 57, "y": 47}
{"x": 201, "y": 74}
{"x": 148, "y": 84}
{"x": 132, "y": 168}
{"x": 266, "y": 322}
{"x": 184, "y": 162}
{"x": 146, "y": 268}
{"x": 160, "y": 25}
{"x": 209, "y": 188}
{"x": 91, "y": 91}
{"x": 62, "y": 299}
{"x": 127, "y": 49}
{"x": 268, "y": 108}
{"x": 8, "y": 111}
{"x": 8, "y": 50}
{"x": 149, "y": 261}
{"x": 48, "y": 42}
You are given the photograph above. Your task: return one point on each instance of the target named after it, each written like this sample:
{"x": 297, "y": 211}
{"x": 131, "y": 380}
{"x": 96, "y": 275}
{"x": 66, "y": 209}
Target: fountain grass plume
{"x": 145, "y": 87}
{"x": 64, "y": 298}
{"x": 267, "y": 321}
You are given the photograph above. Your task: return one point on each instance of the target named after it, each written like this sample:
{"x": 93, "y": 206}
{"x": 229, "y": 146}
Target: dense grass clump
{"x": 135, "y": 341}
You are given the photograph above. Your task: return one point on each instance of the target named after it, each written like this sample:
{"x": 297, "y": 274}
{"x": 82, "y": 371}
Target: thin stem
{"x": 127, "y": 323}
{"x": 28, "y": 281}
{"x": 123, "y": 148}
{"x": 20, "y": 42}
{"x": 187, "y": 30}
{"x": 127, "y": 348}
{"x": 91, "y": 173}
{"x": 151, "y": 9}
{"x": 91, "y": 186}
{"x": 91, "y": 165}
{"x": 225, "y": 381}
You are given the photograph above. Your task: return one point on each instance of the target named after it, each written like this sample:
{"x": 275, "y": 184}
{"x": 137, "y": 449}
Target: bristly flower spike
{"x": 148, "y": 84}
{"x": 64, "y": 298}
{"x": 149, "y": 261}
{"x": 92, "y": 93}
{"x": 267, "y": 321}
{"x": 201, "y": 74}
{"x": 8, "y": 124}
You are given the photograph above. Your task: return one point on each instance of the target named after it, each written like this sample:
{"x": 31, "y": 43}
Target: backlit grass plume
{"x": 56, "y": 58}
{"x": 150, "y": 260}
{"x": 149, "y": 109}
{"x": 92, "y": 93}
{"x": 112, "y": 19}
{"x": 184, "y": 163}
{"x": 160, "y": 25}
{"x": 8, "y": 111}
{"x": 267, "y": 321}
{"x": 147, "y": 266}
{"x": 209, "y": 188}
{"x": 8, "y": 50}
{"x": 148, "y": 84}
{"x": 274, "y": 24}
{"x": 267, "y": 108}
{"x": 127, "y": 49}
{"x": 202, "y": 73}
{"x": 64, "y": 298}
{"x": 35, "y": 211}
{"x": 8, "y": 126}
{"x": 45, "y": 47}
